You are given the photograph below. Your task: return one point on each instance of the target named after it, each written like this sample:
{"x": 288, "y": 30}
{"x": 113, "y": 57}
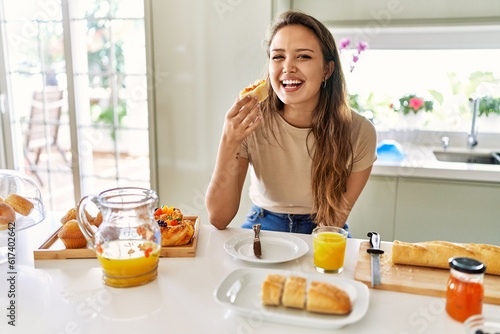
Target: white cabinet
{"x": 420, "y": 209}
{"x": 374, "y": 210}
{"x": 456, "y": 211}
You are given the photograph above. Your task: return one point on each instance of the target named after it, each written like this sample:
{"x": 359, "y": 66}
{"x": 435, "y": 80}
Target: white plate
{"x": 277, "y": 247}
{"x": 241, "y": 292}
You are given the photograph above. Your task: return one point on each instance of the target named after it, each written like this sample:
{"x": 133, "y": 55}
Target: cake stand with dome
{"x": 12, "y": 182}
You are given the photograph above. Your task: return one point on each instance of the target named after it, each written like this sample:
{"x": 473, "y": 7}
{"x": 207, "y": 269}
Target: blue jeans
{"x": 282, "y": 222}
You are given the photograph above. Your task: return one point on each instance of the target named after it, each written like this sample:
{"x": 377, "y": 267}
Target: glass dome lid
{"x": 13, "y": 182}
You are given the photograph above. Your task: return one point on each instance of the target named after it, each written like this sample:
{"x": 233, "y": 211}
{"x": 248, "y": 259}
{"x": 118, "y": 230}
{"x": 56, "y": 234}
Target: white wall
{"x": 204, "y": 53}
{"x": 404, "y": 12}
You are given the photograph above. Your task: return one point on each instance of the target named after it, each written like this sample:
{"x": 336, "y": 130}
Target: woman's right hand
{"x": 242, "y": 119}
{"x": 223, "y": 194}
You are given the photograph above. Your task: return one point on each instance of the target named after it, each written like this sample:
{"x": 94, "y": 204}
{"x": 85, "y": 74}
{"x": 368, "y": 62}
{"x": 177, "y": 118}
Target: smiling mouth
{"x": 291, "y": 83}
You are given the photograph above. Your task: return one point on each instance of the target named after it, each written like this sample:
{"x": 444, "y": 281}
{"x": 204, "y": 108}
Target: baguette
{"x": 327, "y": 298}
{"x": 272, "y": 289}
{"x": 294, "y": 292}
{"x": 436, "y": 254}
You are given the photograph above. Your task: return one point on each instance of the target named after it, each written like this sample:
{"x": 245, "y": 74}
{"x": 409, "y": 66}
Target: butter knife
{"x": 375, "y": 252}
{"x": 257, "y": 248}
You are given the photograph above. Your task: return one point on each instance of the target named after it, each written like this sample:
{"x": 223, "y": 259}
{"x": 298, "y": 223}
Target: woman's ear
{"x": 329, "y": 68}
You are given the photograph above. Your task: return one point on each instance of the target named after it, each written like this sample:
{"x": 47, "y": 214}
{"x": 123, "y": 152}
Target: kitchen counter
{"x": 67, "y": 296}
{"x": 421, "y": 162}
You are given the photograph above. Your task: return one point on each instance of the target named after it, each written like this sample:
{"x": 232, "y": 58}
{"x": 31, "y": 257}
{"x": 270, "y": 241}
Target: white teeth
{"x": 292, "y": 82}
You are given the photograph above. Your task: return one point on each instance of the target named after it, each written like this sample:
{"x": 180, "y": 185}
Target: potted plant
{"x": 411, "y": 109}
{"x": 489, "y": 105}
{"x": 412, "y": 104}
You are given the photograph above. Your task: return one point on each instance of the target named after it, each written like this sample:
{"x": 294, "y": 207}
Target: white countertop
{"x": 67, "y": 296}
{"x": 420, "y": 162}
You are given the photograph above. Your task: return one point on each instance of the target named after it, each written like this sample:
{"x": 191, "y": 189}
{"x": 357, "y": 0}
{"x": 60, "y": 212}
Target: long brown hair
{"x": 331, "y": 126}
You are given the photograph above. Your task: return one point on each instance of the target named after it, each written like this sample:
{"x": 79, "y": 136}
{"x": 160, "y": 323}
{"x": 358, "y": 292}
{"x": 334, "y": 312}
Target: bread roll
{"x": 20, "y": 204}
{"x": 71, "y": 215}
{"x": 327, "y": 298}
{"x": 258, "y": 90}
{"x": 97, "y": 221}
{"x": 294, "y": 292}
{"x": 71, "y": 235}
{"x": 437, "y": 253}
{"x": 272, "y": 288}
{"x": 7, "y": 215}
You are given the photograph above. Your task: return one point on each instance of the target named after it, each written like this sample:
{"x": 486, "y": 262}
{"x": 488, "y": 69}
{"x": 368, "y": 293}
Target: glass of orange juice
{"x": 329, "y": 244}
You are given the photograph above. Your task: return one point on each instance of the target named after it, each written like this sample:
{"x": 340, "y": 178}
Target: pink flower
{"x": 355, "y": 54}
{"x": 362, "y": 46}
{"x": 416, "y": 103}
{"x": 344, "y": 43}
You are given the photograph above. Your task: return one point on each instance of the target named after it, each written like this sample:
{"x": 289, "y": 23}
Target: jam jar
{"x": 465, "y": 290}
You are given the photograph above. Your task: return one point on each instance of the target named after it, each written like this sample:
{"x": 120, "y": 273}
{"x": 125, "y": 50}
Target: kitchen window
{"x": 443, "y": 64}
{"x": 446, "y": 77}
{"x": 74, "y": 88}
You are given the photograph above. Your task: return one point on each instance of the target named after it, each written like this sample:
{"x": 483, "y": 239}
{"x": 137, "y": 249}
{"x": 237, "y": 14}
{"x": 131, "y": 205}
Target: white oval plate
{"x": 241, "y": 292}
{"x": 276, "y": 247}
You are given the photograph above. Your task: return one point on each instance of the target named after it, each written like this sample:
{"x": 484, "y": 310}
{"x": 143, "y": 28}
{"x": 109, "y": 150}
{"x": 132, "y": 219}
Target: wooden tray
{"x": 53, "y": 248}
{"x": 413, "y": 279}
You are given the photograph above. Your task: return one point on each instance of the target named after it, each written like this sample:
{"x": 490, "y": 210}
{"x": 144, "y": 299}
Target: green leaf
{"x": 436, "y": 95}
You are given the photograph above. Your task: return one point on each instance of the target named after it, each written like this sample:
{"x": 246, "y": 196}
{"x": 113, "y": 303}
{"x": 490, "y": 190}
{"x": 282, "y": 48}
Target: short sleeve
{"x": 244, "y": 149}
{"x": 365, "y": 143}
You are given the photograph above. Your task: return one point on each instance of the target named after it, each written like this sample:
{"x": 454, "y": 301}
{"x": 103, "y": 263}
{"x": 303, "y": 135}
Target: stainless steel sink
{"x": 468, "y": 157}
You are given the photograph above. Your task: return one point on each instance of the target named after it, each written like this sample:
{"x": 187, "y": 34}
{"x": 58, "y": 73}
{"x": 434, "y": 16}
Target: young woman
{"x": 309, "y": 154}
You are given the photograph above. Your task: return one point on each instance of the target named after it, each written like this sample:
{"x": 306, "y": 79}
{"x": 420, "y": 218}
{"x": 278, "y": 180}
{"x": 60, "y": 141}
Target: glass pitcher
{"x": 128, "y": 241}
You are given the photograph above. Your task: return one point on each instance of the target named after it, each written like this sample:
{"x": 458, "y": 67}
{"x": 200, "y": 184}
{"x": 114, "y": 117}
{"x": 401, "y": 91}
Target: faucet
{"x": 472, "y": 135}
{"x": 445, "y": 142}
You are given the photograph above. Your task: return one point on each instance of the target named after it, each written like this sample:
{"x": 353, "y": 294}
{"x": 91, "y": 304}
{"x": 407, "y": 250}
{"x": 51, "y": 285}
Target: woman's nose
{"x": 289, "y": 66}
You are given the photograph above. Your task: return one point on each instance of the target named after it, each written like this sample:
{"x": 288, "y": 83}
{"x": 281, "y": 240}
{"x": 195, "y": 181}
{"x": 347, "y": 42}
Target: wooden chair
{"x": 43, "y": 126}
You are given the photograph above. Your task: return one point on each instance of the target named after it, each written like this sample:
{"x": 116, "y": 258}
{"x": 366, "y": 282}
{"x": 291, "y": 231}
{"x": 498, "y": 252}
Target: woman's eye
{"x": 277, "y": 57}
{"x": 304, "y": 57}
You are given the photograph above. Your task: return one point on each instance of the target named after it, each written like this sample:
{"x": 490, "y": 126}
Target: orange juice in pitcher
{"x": 128, "y": 241}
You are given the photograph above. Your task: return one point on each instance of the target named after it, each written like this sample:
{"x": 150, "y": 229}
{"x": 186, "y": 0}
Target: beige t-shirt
{"x": 280, "y": 171}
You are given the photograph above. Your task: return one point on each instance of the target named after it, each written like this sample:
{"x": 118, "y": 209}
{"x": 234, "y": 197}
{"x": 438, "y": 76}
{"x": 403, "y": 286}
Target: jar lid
{"x": 467, "y": 265}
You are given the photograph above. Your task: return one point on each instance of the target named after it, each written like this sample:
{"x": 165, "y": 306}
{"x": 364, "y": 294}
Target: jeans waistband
{"x": 263, "y": 212}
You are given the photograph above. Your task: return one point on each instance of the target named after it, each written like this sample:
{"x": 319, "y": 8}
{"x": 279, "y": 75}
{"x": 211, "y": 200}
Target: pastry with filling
{"x": 175, "y": 230}
{"x": 258, "y": 89}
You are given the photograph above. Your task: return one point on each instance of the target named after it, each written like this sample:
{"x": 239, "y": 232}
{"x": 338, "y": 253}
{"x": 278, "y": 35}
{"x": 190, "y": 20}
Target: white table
{"x": 67, "y": 296}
